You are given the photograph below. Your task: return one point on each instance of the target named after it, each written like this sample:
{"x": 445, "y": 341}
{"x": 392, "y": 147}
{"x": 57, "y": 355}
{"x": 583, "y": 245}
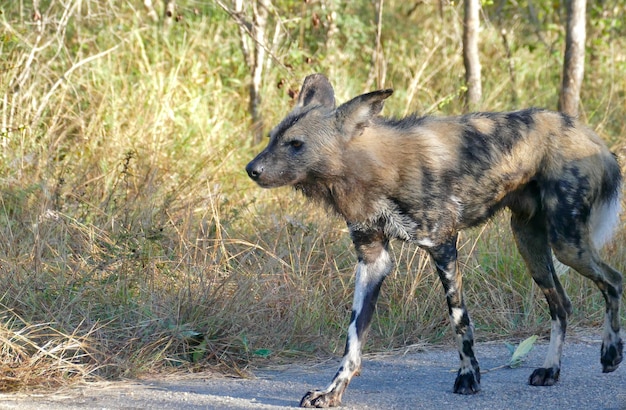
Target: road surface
{"x": 418, "y": 380}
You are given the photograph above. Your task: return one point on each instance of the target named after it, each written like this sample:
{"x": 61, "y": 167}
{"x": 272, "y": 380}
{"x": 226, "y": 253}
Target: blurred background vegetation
{"x": 133, "y": 241}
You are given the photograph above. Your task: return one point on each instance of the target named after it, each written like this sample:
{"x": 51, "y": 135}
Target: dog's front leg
{"x": 445, "y": 258}
{"x": 374, "y": 264}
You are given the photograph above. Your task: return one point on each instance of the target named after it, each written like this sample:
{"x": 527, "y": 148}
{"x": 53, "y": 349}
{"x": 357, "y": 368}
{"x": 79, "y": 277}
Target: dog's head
{"x": 309, "y": 142}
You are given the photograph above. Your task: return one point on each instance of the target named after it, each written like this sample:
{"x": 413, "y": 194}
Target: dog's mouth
{"x": 275, "y": 181}
{"x": 270, "y": 177}
{"x": 268, "y": 184}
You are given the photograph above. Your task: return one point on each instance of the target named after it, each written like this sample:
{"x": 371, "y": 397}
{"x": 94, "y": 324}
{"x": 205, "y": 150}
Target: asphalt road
{"x": 420, "y": 380}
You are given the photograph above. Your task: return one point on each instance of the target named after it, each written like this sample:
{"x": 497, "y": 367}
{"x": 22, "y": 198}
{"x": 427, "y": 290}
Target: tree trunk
{"x": 470, "y": 55}
{"x": 254, "y": 47}
{"x": 260, "y": 8}
{"x": 168, "y": 12}
{"x": 574, "y": 61}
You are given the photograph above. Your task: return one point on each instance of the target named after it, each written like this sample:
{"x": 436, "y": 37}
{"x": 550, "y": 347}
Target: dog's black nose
{"x": 254, "y": 170}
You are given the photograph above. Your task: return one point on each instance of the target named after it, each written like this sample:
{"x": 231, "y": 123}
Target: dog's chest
{"x": 397, "y": 223}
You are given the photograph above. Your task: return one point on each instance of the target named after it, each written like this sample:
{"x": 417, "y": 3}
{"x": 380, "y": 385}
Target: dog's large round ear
{"x": 316, "y": 90}
{"x": 353, "y": 116}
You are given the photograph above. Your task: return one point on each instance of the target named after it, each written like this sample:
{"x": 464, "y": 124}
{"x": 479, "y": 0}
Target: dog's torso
{"x": 421, "y": 179}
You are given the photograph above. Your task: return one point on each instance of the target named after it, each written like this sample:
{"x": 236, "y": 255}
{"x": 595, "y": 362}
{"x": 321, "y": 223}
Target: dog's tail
{"x": 605, "y": 212}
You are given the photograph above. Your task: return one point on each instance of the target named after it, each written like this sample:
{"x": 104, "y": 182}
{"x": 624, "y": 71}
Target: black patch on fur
{"x": 468, "y": 349}
{"x": 465, "y": 320}
{"x": 444, "y": 254}
{"x": 573, "y": 207}
{"x": 468, "y": 383}
{"x": 308, "y": 96}
{"x": 611, "y": 181}
{"x": 523, "y": 117}
{"x": 480, "y": 151}
{"x": 288, "y": 122}
{"x": 364, "y": 319}
{"x": 406, "y": 123}
{"x": 476, "y": 151}
{"x": 567, "y": 120}
{"x": 544, "y": 376}
{"x": 430, "y": 187}
{"x": 612, "y": 356}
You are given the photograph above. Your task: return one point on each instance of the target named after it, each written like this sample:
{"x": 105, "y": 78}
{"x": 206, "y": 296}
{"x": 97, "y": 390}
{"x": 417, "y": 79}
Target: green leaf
{"x": 522, "y": 350}
{"x": 198, "y": 352}
{"x": 190, "y": 334}
{"x": 264, "y": 353}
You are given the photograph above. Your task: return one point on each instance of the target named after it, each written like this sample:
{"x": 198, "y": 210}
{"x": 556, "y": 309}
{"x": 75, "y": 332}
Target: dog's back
{"x": 434, "y": 175}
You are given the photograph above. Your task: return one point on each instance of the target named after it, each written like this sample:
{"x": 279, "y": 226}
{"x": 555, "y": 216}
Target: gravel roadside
{"x": 421, "y": 380}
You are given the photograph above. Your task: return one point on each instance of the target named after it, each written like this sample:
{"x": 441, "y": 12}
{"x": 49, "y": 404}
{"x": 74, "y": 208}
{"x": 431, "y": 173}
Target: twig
{"x": 151, "y": 11}
{"x": 37, "y": 16}
{"x": 244, "y": 27}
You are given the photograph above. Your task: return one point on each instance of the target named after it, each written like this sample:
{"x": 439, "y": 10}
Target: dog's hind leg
{"x": 581, "y": 255}
{"x": 374, "y": 265}
{"x": 445, "y": 258}
{"x": 575, "y": 216}
{"x": 531, "y": 237}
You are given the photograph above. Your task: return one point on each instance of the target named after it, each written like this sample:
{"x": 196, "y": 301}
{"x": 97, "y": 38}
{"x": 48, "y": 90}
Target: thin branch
{"x": 245, "y": 27}
{"x": 151, "y": 11}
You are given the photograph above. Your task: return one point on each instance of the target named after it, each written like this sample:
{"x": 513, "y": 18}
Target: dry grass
{"x": 135, "y": 243}
{"x": 39, "y": 355}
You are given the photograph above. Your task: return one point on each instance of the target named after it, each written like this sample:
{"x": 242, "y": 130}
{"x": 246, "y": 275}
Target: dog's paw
{"x": 611, "y": 356}
{"x": 544, "y": 376}
{"x": 467, "y": 382}
{"x": 321, "y": 399}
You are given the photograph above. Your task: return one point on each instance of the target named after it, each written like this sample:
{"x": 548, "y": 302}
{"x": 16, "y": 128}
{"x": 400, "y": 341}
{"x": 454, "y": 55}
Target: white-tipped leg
{"x": 445, "y": 258}
{"x": 369, "y": 278}
{"x": 549, "y": 373}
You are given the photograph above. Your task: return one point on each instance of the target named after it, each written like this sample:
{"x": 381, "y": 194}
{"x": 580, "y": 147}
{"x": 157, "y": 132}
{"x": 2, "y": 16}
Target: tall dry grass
{"x": 134, "y": 242}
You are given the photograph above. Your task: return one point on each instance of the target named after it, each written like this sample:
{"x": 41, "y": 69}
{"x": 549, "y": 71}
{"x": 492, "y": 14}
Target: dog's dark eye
{"x": 297, "y": 144}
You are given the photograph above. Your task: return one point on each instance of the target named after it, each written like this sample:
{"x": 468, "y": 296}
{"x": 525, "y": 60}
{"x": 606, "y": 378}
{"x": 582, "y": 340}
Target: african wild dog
{"x": 422, "y": 179}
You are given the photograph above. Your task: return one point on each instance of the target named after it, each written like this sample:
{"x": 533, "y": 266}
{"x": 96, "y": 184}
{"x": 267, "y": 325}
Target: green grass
{"x": 133, "y": 240}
